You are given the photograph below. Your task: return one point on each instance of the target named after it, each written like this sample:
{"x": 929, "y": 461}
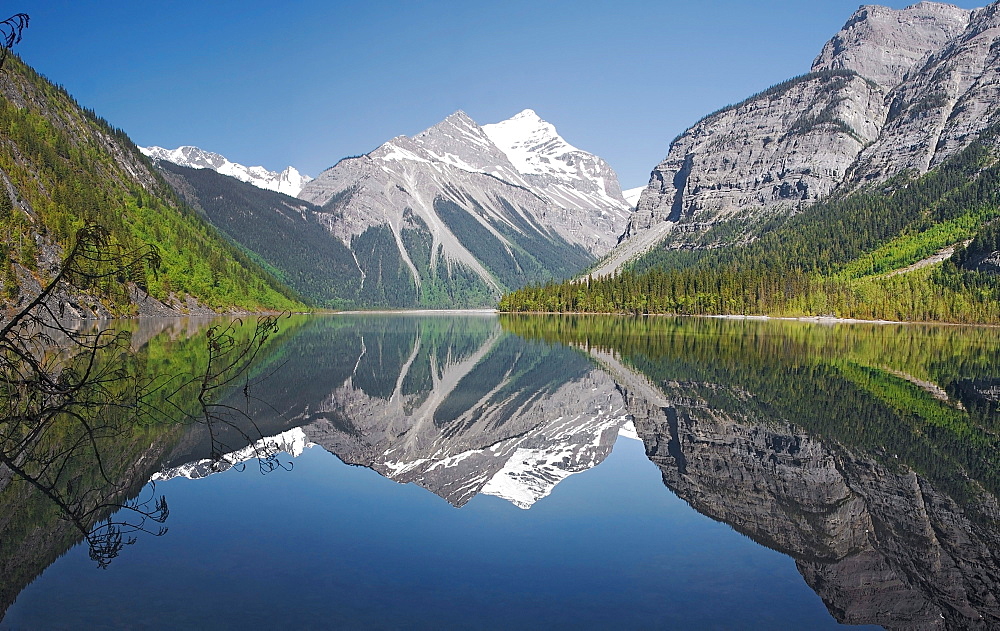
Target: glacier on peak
{"x": 288, "y": 181}
{"x": 531, "y": 143}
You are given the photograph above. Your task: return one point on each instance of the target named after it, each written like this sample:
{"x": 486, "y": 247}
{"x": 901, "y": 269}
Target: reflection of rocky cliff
{"x": 880, "y": 545}
{"x": 454, "y": 405}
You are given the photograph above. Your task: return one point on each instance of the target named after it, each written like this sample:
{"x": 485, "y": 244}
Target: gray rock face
{"x": 772, "y": 153}
{"x": 941, "y": 106}
{"x": 883, "y": 44}
{"x": 555, "y": 198}
{"x": 894, "y": 90}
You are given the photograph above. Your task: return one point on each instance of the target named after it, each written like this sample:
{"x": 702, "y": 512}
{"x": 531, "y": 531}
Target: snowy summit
{"x": 289, "y": 181}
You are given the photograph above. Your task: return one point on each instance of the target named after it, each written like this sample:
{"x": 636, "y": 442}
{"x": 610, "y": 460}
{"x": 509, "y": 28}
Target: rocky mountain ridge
{"x": 894, "y": 90}
{"x": 450, "y": 204}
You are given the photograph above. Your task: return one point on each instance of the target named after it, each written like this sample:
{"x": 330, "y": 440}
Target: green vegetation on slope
{"x": 533, "y": 256}
{"x": 282, "y": 232}
{"x": 831, "y": 259}
{"x": 71, "y": 168}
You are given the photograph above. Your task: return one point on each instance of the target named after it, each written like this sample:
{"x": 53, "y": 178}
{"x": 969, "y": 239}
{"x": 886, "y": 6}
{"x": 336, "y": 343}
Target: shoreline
{"x": 760, "y": 318}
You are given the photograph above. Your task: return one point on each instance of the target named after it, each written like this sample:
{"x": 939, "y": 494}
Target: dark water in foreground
{"x": 483, "y": 472}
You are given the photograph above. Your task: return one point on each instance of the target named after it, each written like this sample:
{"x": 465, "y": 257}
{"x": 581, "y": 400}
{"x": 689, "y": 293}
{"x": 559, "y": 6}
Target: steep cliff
{"x": 894, "y": 90}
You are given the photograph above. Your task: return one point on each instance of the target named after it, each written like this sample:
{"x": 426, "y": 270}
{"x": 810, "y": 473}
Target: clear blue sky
{"x": 308, "y": 82}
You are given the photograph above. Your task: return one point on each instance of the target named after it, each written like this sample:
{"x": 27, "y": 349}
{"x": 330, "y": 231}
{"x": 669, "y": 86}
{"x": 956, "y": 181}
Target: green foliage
{"x": 387, "y": 281}
{"x": 831, "y": 259}
{"x": 282, "y": 233}
{"x": 73, "y": 169}
{"x": 533, "y": 254}
{"x": 444, "y": 284}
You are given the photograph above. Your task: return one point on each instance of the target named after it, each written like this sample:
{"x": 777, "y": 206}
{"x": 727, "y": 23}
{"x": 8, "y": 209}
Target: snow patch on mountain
{"x": 557, "y": 170}
{"x": 632, "y": 195}
{"x": 293, "y": 442}
{"x": 532, "y": 145}
{"x": 289, "y": 181}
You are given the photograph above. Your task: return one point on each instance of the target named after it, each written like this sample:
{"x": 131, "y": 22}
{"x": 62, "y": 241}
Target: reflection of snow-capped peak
{"x": 628, "y": 431}
{"x": 293, "y": 442}
{"x": 289, "y": 181}
{"x": 531, "y": 473}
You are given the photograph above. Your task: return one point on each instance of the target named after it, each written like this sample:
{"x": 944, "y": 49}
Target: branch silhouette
{"x": 69, "y": 391}
{"x": 10, "y": 33}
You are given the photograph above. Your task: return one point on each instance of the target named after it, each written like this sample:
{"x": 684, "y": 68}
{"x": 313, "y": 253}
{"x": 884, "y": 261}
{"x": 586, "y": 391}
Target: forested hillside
{"x": 848, "y": 256}
{"x": 280, "y": 232}
{"x": 63, "y": 167}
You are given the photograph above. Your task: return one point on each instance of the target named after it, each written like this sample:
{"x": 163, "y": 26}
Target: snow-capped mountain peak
{"x": 289, "y": 181}
{"x": 632, "y": 195}
{"x": 531, "y": 144}
{"x": 568, "y": 176}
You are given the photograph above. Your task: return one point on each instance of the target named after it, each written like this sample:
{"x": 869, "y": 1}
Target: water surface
{"x": 551, "y": 472}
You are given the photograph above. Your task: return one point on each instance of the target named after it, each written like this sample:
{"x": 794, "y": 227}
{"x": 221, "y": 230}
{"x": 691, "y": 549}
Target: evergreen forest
{"x": 848, "y": 256}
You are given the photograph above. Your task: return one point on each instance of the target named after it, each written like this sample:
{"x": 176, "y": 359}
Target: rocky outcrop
{"x": 893, "y": 90}
{"x": 941, "y": 106}
{"x": 775, "y": 152}
{"x": 883, "y": 44}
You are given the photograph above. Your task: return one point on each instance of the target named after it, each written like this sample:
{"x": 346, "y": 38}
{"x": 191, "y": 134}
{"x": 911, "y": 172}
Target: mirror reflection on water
{"x": 476, "y": 471}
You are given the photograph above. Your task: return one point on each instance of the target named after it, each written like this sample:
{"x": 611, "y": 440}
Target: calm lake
{"x": 499, "y": 472}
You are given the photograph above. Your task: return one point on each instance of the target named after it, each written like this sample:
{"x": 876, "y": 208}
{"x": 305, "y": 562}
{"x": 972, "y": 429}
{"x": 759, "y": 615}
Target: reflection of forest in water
{"x": 89, "y": 411}
{"x": 867, "y": 453}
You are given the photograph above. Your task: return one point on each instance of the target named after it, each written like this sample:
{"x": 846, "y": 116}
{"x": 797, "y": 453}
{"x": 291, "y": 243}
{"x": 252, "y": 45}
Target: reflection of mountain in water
{"x": 454, "y": 405}
{"x": 871, "y": 455}
{"x": 879, "y": 545}
{"x": 771, "y": 434}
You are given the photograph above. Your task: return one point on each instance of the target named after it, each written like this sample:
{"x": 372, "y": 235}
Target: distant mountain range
{"x": 289, "y": 181}
{"x": 451, "y": 217}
